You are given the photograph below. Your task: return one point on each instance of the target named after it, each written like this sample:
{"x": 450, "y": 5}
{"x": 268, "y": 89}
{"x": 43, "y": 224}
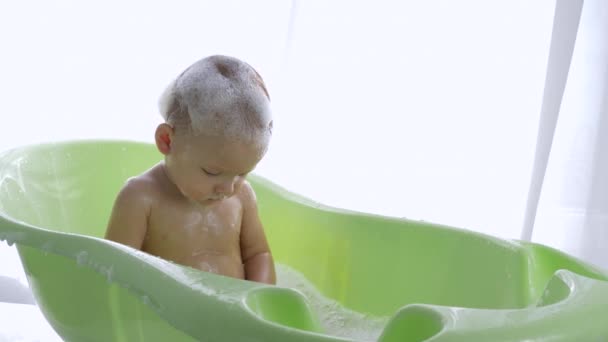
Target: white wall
{"x": 426, "y": 110}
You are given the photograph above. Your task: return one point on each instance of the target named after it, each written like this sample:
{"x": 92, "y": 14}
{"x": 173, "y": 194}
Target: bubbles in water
{"x": 334, "y": 318}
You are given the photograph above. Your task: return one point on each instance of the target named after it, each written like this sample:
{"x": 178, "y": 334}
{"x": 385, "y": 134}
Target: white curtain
{"x": 573, "y": 209}
{"x": 427, "y": 110}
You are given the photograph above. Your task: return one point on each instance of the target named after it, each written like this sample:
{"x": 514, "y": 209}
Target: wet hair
{"x": 218, "y": 95}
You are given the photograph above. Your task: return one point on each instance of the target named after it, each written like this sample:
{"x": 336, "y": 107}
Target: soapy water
{"x": 334, "y": 318}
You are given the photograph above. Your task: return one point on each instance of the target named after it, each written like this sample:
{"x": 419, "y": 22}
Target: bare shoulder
{"x": 132, "y": 207}
{"x": 140, "y": 190}
{"x": 247, "y": 195}
{"x": 140, "y": 186}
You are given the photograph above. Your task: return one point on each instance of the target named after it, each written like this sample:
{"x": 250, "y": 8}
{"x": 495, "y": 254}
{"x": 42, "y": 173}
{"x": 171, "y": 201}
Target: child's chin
{"x": 210, "y": 201}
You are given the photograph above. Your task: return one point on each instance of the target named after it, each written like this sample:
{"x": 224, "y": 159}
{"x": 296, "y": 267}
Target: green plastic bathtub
{"x": 343, "y": 275}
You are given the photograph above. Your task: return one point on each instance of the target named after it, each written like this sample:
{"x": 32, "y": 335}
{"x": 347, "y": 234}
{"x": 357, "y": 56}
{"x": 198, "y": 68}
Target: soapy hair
{"x": 218, "y": 95}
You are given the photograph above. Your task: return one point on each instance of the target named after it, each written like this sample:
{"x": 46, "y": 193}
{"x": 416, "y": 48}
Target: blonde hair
{"x": 218, "y": 95}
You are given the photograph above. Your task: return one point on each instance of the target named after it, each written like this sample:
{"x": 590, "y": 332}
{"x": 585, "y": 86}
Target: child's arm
{"x": 128, "y": 222}
{"x": 257, "y": 259}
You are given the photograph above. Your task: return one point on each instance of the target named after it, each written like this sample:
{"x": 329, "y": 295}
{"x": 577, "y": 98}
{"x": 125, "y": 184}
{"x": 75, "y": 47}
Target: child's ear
{"x": 164, "y": 138}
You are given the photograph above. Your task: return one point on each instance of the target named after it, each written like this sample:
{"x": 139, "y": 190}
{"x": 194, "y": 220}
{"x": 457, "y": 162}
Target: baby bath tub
{"x": 343, "y": 275}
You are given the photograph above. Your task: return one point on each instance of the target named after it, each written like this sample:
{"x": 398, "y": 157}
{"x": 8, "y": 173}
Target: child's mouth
{"x": 216, "y": 198}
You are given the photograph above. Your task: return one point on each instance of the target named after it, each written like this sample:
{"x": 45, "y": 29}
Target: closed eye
{"x": 209, "y": 173}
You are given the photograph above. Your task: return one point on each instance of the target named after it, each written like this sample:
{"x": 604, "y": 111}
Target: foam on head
{"x": 219, "y": 95}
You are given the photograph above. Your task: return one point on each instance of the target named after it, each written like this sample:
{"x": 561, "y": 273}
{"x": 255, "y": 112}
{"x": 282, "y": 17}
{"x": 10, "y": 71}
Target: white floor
{"x": 20, "y": 319}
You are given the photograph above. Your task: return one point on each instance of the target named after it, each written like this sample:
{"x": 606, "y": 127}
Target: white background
{"x": 425, "y": 110}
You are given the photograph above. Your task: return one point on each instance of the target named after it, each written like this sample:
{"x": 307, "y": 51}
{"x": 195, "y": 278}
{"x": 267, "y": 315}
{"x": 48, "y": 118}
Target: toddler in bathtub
{"x": 195, "y": 207}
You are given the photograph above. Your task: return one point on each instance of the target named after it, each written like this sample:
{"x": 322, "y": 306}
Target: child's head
{"x": 217, "y": 127}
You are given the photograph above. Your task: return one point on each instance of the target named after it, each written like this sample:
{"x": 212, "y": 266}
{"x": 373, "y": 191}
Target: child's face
{"x": 206, "y": 169}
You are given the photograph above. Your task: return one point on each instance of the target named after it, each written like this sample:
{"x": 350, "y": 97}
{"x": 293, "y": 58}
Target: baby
{"x": 195, "y": 207}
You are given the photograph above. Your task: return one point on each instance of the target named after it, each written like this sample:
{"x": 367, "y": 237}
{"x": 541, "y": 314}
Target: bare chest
{"x": 178, "y": 230}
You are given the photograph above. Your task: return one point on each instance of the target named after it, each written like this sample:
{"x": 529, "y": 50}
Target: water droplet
{"x": 109, "y": 273}
{"x": 151, "y": 303}
{"x": 47, "y": 246}
{"x": 81, "y": 258}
